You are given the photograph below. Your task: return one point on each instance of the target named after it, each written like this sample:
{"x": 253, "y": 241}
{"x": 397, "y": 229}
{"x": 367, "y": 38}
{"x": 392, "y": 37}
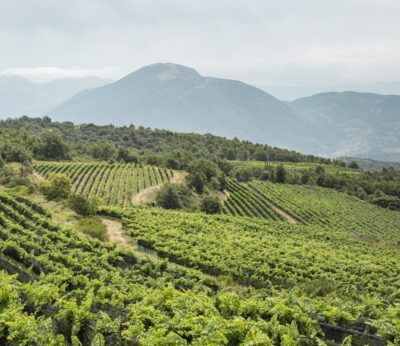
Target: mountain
{"x": 178, "y": 98}
{"x": 351, "y": 124}
{"x": 19, "y": 96}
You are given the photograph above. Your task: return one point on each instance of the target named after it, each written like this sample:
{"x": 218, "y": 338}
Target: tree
{"x": 168, "y": 197}
{"x": 354, "y": 165}
{"x": 197, "y": 180}
{"x": 102, "y": 150}
{"x": 280, "y": 174}
{"x": 52, "y": 147}
{"x": 57, "y": 188}
{"x": 211, "y": 204}
{"x": 83, "y": 205}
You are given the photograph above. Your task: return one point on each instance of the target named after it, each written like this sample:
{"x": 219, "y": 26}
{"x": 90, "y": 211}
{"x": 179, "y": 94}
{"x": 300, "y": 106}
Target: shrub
{"x": 211, "y": 205}
{"x": 168, "y": 197}
{"x": 93, "y": 227}
{"x": 83, "y": 205}
{"x": 57, "y": 188}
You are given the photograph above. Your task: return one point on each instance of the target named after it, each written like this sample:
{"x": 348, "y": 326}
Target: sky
{"x": 296, "y": 43}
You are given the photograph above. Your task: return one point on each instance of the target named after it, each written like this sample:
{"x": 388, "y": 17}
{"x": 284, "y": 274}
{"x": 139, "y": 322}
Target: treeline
{"x": 130, "y": 143}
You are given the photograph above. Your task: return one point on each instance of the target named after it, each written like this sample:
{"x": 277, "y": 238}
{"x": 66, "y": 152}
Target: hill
{"x": 258, "y": 282}
{"x": 19, "y": 96}
{"x": 178, "y": 98}
{"x": 351, "y": 124}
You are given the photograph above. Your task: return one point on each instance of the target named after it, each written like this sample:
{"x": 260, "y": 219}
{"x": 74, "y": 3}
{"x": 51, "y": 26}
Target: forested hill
{"x": 156, "y": 144}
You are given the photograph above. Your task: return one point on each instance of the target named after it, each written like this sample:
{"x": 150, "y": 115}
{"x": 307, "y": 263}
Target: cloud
{"x": 308, "y": 42}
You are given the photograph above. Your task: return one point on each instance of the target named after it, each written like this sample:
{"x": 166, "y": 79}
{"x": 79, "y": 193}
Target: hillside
{"x": 265, "y": 282}
{"x": 178, "y": 98}
{"x": 19, "y": 96}
{"x": 351, "y": 124}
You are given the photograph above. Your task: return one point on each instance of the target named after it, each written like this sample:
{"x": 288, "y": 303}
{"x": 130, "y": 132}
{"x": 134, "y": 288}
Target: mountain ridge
{"x": 178, "y": 98}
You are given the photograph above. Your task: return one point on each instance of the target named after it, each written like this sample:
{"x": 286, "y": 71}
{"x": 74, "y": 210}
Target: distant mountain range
{"x": 178, "y": 98}
{"x": 351, "y": 124}
{"x": 19, "y": 96}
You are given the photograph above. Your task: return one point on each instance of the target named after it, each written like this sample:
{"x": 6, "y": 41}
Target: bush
{"x": 280, "y": 174}
{"x": 168, "y": 197}
{"x": 211, "y": 205}
{"x": 93, "y": 227}
{"x": 57, "y": 188}
{"x": 83, "y": 205}
{"x": 197, "y": 180}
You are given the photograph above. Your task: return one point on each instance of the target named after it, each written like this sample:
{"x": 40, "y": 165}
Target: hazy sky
{"x": 289, "y": 42}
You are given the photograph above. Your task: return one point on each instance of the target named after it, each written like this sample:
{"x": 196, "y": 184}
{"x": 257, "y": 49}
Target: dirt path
{"x": 36, "y": 176}
{"x": 148, "y": 195}
{"x": 287, "y": 216}
{"x": 115, "y": 232}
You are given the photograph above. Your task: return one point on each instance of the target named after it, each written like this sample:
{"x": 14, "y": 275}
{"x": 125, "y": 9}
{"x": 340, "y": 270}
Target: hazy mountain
{"x": 351, "y": 124}
{"x": 178, "y": 98}
{"x": 19, "y": 96}
{"x": 293, "y": 92}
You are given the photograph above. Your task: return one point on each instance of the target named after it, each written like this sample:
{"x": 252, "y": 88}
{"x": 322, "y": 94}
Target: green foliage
{"x": 211, "y": 205}
{"x": 93, "y": 227}
{"x": 58, "y": 187}
{"x": 280, "y": 174}
{"x": 82, "y": 205}
{"x": 102, "y": 150}
{"x": 52, "y": 147}
{"x": 197, "y": 180}
{"x": 113, "y": 184}
{"x": 168, "y": 197}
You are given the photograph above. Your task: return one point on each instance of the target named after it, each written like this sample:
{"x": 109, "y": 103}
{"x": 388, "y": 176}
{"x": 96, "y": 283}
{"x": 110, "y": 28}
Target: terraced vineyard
{"x": 313, "y": 205}
{"x": 69, "y": 290}
{"x": 362, "y": 280}
{"x": 115, "y": 184}
{"x": 242, "y": 201}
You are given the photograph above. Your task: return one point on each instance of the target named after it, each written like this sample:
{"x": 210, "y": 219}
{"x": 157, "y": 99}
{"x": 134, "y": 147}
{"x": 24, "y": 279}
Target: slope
{"x": 178, "y": 98}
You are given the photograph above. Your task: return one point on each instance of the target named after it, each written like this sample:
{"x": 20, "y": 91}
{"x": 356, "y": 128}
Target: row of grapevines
{"x": 314, "y": 205}
{"x": 362, "y": 279}
{"x": 242, "y": 201}
{"x": 116, "y": 184}
{"x": 71, "y": 290}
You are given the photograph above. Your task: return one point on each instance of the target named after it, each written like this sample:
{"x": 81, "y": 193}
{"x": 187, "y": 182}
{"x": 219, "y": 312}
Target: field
{"x": 298, "y": 166}
{"x": 348, "y": 278}
{"x": 242, "y": 201}
{"x": 115, "y": 184}
{"x": 77, "y": 290}
{"x": 73, "y": 290}
{"x": 313, "y": 205}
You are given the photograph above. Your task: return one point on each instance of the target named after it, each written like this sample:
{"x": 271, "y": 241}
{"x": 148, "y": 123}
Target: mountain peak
{"x": 164, "y": 71}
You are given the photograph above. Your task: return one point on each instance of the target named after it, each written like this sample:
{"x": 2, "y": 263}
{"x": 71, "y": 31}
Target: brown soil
{"x": 115, "y": 232}
{"x": 36, "y": 176}
{"x": 291, "y": 219}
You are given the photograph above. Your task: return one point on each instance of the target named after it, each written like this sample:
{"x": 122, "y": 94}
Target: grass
{"x": 93, "y": 227}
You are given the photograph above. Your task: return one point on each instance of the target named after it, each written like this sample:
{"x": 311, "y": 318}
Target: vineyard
{"x": 362, "y": 280}
{"x": 313, "y": 205}
{"x": 69, "y": 290}
{"x": 242, "y": 201}
{"x": 115, "y": 184}
{"x": 298, "y": 166}
{"x": 332, "y": 210}
{"x": 59, "y": 288}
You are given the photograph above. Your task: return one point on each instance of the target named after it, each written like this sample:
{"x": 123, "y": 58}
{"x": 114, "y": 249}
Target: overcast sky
{"x": 288, "y": 42}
